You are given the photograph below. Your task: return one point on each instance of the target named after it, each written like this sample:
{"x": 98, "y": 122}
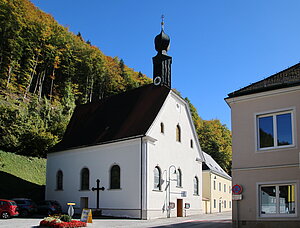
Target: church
{"x": 135, "y": 154}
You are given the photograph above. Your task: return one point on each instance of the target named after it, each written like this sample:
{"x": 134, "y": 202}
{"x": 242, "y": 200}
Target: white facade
{"x": 137, "y": 158}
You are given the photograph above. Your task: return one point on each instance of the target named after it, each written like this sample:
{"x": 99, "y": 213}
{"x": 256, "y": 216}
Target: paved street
{"x": 220, "y": 220}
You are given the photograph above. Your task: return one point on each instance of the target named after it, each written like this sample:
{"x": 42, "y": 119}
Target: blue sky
{"x": 217, "y": 46}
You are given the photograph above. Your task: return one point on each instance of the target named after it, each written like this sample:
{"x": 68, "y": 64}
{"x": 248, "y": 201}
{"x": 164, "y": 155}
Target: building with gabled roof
{"x": 265, "y": 154}
{"x": 135, "y": 154}
{"x": 216, "y": 187}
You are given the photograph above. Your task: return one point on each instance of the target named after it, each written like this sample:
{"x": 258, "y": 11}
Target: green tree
{"x": 215, "y": 139}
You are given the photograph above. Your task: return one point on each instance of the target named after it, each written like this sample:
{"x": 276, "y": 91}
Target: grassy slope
{"x": 30, "y": 169}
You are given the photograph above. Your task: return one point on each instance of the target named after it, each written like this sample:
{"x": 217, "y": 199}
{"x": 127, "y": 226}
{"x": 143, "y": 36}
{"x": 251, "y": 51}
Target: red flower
{"x": 53, "y": 224}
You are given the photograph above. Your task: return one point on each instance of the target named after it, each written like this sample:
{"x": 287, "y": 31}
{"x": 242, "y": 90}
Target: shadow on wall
{"x": 15, "y": 187}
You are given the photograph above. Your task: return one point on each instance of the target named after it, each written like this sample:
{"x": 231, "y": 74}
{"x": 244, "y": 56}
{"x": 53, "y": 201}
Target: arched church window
{"x": 179, "y": 178}
{"x": 192, "y": 144}
{"x": 115, "y": 177}
{"x": 178, "y": 133}
{"x": 196, "y": 186}
{"x": 59, "y": 180}
{"x": 162, "y": 127}
{"x": 85, "y": 179}
{"x": 157, "y": 178}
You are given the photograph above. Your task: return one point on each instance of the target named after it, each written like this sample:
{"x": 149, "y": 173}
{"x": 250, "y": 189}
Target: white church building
{"x": 140, "y": 144}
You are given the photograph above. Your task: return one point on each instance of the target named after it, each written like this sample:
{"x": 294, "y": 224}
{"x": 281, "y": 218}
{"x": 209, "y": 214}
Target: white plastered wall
{"x": 99, "y": 159}
{"x": 166, "y": 151}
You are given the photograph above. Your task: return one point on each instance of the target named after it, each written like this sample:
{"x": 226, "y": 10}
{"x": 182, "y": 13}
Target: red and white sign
{"x": 237, "y": 189}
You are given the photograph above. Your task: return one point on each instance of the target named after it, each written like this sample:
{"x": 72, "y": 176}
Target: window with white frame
{"x": 215, "y": 203}
{"x": 178, "y": 133}
{"x": 275, "y": 130}
{"x": 278, "y": 199}
{"x": 179, "y": 178}
{"x": 220, "y": 186}
{"x": 157, "y": 178}
{"x": 85, "y": 179}
{"x": 59, "y": 180}
{"x": 162, "y": 128}
{"x": 214, "y": 185}
{"x": 229, "y": 204}
{"x": 115, "y": 177}
{"x": 224, "y": 203}
{"x": 196, "y": 186}
{"x": 224, "y": 187}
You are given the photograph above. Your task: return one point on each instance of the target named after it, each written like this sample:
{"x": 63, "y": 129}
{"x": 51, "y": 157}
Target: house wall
{"x": 250, "y": 166}
{"x": 166, "y": 152}
{"x": 99, "y": 159}
{"x": 222, "y": 197}
{"x": 206, "y": 187}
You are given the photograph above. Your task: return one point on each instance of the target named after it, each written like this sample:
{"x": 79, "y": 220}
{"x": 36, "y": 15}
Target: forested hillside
{"x": 45, "y": 70}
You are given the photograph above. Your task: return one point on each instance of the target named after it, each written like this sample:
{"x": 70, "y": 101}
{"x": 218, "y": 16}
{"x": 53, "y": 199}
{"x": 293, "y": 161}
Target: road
{"x": 220, "y": 220}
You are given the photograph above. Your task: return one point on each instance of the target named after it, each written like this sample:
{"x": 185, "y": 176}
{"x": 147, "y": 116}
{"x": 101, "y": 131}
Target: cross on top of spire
{"x": 162, "y": 22}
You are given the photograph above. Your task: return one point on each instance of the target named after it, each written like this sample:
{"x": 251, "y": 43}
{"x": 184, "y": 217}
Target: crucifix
{"x": 98, "y": 189}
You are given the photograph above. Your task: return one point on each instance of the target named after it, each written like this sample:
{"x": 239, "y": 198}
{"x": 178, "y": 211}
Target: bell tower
{"x": 162, "y": 62}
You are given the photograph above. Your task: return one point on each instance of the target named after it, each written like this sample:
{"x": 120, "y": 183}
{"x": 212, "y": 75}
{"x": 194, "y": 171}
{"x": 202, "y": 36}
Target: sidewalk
{"x": 119, "y": 223}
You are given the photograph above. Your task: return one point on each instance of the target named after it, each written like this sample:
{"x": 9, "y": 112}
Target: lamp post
{"x": 169, "y": 189}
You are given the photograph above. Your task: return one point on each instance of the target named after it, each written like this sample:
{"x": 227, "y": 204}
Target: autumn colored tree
{"x": 44, "y": 70}
{"x": 214, "y": 138}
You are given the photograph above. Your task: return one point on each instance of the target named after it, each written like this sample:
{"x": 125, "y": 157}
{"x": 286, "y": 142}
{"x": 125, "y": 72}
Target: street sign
{"x": 171, "y": 205}
{"x": 183, "y": 193}
{"x": 237, "y": 197}
{"x": 237, "y": 189}
{"x": 86, "y": 215}
{"x": 187, "y": 206}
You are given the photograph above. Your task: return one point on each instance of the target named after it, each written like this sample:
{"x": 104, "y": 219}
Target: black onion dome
{"x": 162, "y": 42}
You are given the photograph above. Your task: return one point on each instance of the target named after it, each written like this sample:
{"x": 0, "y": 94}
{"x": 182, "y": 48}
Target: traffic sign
{"x": 237, "y": 189}
{"x": 237, "y": 197}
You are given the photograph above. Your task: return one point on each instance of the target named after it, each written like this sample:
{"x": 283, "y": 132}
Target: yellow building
{"x": 216, "y": 187}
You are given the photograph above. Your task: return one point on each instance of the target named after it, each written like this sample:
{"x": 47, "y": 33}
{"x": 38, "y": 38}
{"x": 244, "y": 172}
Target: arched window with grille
{"x": 85, "y": 179}
{"x": 59, "y": 180}
{"x": 115, "y": 177}
{"x": 178, "y": 133}
{"x": 157, "y": 178}
{"x": 196, "y": 186}
{"x": 179, "y": 178}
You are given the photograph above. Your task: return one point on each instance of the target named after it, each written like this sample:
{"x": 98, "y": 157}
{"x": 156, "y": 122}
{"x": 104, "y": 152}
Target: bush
{"x": 66, "y": 218}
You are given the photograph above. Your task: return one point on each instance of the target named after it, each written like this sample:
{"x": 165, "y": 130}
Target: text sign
{"x": 187, "y": 206}
{"x": 183, "y": 193}
{"x": 86, "y": 215}
{"x": 237, "y": 197}
{"x": 237, "y": 189}
{"x": 171, "y": 205}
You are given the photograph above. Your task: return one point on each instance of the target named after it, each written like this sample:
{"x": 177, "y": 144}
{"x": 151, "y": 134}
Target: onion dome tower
{"x": 162, "y": 62}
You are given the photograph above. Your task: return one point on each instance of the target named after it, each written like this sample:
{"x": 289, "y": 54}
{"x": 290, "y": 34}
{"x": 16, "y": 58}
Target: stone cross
{"x": 98, "y": 189}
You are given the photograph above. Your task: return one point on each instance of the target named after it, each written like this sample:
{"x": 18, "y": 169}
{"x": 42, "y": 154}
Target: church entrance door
{"x": 179, "y": 207}
{"x": 84, "y": 202}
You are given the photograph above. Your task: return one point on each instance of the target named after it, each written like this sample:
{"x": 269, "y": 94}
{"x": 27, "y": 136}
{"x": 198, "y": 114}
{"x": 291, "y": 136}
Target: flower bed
{"x": 57, "y": 223}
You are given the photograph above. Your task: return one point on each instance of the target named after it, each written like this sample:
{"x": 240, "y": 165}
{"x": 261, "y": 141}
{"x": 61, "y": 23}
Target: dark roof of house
{"x": 286, "y": 78}
{"x": 118, "y": 117}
